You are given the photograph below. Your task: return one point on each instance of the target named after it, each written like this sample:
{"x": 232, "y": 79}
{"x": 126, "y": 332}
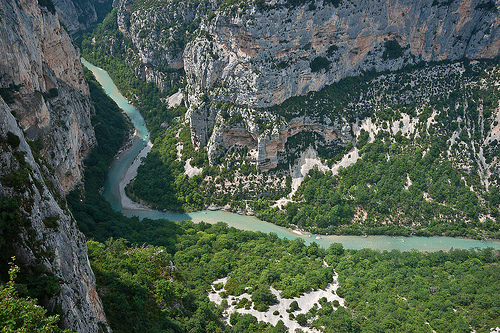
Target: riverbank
{"x": 129, "y": 175}
{"x": 122, "y": 171}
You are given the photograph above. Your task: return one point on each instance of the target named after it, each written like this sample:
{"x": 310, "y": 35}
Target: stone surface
{"x": 52, "y": 109}
{"x": 78, "y": 15}
{"x": 261, "y": 58}
{"x": 38, "y": 55}
{"x": 59, "y": 247}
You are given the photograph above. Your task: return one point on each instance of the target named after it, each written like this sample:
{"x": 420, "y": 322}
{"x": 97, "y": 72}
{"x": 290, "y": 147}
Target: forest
{"x": 155, "y": 275}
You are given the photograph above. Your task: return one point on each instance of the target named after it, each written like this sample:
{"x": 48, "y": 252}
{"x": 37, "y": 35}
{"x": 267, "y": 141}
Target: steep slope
{"x": 261, "y": 55}
{"x": 274, "y": 88}
{"x": 79, "y": 15}
{"x": 264, "y": 54}
{"x": 47, "y": 87}
{"x": 39, "y": 230}
{"x": 45, "y": 135}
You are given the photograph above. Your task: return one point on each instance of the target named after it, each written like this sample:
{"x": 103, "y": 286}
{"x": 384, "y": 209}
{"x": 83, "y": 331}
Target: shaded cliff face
{"x": 262, "y": 57}
{"x": 79, "y": 15}
{"x": 43, "y": 233}
{"x": 51, "y": 99}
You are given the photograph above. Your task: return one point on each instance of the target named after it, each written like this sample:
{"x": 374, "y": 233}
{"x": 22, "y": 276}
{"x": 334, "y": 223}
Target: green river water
{"x": 120, "y": 166}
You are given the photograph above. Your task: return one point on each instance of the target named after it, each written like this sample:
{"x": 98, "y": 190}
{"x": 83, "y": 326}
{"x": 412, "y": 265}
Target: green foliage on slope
{"x": 425, "y": 182}
{"x": 161, "y": 281}
{"x": 22, "y": 314}
{"x": 420, "y": 292}
{"x": 111, "y": 129}
{"x": 161, "y": 179}
{"x": 150, "y": 286}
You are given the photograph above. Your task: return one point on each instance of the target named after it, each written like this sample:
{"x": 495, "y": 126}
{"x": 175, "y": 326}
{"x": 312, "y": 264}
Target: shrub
{"x": 392, "y": 50}
{"x": 301, "y": 319}
{"x": 13, "y": 140}
{"x": 320, "y": 63}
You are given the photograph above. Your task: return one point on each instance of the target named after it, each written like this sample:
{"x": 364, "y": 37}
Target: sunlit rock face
{"x": 259, "y": 57}
{"x": 262, "y": 57}
{"x": 45, "y": 133}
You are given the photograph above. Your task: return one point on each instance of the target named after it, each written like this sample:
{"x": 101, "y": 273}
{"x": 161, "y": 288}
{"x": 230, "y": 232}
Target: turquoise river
{"x": 120, "y": 166}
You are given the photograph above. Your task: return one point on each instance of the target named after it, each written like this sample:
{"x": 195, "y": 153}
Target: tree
{"x": 263, "y": 298}
{"x": 19, "y": 314}
{"x": 301, "y": 319}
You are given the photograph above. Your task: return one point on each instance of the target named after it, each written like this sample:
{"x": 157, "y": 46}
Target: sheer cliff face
{"x": 52, "y": 104}
{"x": 160, "y": 30}
{"x": 262, "y": 57}
{"x": 45, "y": 233}
{"x": 45, "y": 100}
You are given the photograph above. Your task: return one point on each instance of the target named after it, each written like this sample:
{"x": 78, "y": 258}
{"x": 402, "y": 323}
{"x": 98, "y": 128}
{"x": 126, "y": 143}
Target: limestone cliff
{"x": 79, "y": 15}
{"x": 262, "y": 56}
{"x": 44, "y": 234}
{"x": 159, "y": 32}
{"x": 52, "y": 103}
{"x": 45, "y": 101}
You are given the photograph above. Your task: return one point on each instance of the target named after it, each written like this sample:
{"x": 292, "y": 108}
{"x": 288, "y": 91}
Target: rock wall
{"x": 45, "y": 100}
{"x": 46, "y": 234}
{"x": 159, "y": 30}
{"x": 262, "y": 57}
{"x": 52, "y": 104}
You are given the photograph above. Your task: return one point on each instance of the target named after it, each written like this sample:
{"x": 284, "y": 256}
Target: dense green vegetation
{"x": 151, "y": 287}
{"x": 415, "y": 292}
{"x": 23, "y": 314}
{"x": 111, "y": 129}
{"x": 394, "y": 189}
{"x": 403, "y": 184}
{"x": 155, "y": 275}
{"x": 161, "y": 180}
{"x": 165, "y": 289}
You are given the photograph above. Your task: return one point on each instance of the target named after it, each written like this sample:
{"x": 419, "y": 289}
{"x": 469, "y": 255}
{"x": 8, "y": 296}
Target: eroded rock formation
{"x": 261, "y": 57}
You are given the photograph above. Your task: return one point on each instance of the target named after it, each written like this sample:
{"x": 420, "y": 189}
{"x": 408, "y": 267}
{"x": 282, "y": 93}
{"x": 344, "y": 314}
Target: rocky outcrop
{"x": 261, "y": 57}
{"x": 271, "y": 146}
{"x": 50, "y": 98}
{"x": 266, "y": 148}
{"x": 44, "y": 235}
{"x": 164, "y": 81}
{"x": 160, "y": 31}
